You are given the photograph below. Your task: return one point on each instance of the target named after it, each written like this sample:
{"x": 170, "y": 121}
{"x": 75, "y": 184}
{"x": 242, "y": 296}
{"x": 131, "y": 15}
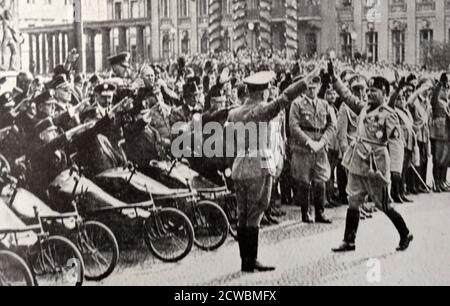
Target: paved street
{"x": 303, "y": 257}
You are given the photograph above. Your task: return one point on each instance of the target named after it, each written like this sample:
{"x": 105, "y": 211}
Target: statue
{"x": 11, "y": 39}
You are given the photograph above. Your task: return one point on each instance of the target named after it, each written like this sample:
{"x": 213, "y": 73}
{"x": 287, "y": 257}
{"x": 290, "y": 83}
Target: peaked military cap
{"x": 122, "y": 58}
{"x": 259, "y": 81}
{"x": 380, "y": 83}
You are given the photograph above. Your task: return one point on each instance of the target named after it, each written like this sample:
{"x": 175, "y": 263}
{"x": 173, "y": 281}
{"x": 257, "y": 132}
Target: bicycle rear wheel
{"x": 99, "y": 249}
{"x": 56, "y": 261}
{"x": 211, "y": 225}
{"x": 169, "y": 235}
{"x": 14, "y": 271}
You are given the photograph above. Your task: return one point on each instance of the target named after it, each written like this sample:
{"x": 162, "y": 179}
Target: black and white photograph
{"x": 224, "y": 150}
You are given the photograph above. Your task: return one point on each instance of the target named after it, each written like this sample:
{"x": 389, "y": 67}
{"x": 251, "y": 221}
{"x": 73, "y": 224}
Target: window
{"x": 165, "y": 9}
{"x": 311, "y": 43}
{"x": 166, "y": 46}
{"x": 117, "y": 10}
{"x": 346, "y": 45}
{"x": 185, "y": 42}
{"x": 134, "y": 10}
{"x": 372, "y": 46}
{"x": 398, "y": 46}
{"x": 183, "y": 8}
{"x": 203, "y": 7}
{"x": 426, "y": 43}
{"x": 204, "y": 43}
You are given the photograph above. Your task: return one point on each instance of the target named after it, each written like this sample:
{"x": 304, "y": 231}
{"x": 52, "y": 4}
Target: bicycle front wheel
{"x": 211, "y": 225}
{"x": 169, "y": 235}
{"x": 56, "y": 261}
{"x": 99, "y": 249}
{"x": 14, "y": 271}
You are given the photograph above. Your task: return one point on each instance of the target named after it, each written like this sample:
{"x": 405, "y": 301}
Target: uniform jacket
{"x": 440, "y": 116}
{"x": 347, "y": 125}
{"x": 311, "y": 120}
{"x": 421, "y": 111}
{"x": 406, "y": 121}
{"x": 377, "y": 145}
{"x": 255, "y": 157}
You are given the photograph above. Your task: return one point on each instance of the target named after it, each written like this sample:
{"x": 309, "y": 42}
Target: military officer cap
{"x": 59, "y": 81}
{"x": 259, "y": 81}
{"x": 7, "y": 100}
{"x": 45, "y": 98}
{"x": 60, "y": 70}
{"x": 122, "y": 59}
{"x": 380, "y": 83}
{"x": 357, "y": 81}
{"x": 315, "y": 82}
{"x": 105, "y": 89}
{"x": 94, "y": 79}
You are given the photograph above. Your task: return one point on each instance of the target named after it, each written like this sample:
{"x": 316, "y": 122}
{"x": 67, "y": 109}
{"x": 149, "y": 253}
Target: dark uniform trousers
{"x": 440, "y": 136}
{"x": 311, "y": 120}
{"x": 370, "y": 163}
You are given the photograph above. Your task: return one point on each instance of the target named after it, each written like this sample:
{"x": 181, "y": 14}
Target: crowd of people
{"x": 351, "y": 132}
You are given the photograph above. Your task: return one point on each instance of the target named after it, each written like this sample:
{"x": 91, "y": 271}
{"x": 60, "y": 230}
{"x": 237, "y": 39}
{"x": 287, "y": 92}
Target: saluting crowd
{"x": 352, "y": 133}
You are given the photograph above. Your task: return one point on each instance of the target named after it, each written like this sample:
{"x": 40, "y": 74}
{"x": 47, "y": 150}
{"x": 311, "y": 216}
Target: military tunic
{"x": 374, "y": 154}
{"x": 254, "y": 168}
{"x": 311, "y": 120}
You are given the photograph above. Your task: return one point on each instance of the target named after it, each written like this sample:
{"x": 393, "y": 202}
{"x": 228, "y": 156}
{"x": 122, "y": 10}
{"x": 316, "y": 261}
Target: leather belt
{"x": 313, "y": 130}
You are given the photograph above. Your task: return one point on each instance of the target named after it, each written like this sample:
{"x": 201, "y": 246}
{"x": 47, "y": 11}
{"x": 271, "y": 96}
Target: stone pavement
{"x": 302, "y": 255}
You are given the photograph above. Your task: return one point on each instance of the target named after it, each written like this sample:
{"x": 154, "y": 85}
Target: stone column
{"x": 64, "y": 44}
{"x": 106, "y": 46}
{"x": 90, "y": 51}
{"x": 358, "y": 12}
{"x": 58, "y": 58}
{"x": 140, "y": 42}
{"x": 38, "y": 54}
{"x": 439, "y": 31}
{"x": 51, "y": 54}
{"x": 70, "y": 40}
{"x": 411, "y": 34}
{"x": 194, "y": 36}
{"x": 383, "y": 33}
{"x": 123, "y": 44}
{"x": 45, "y": 68}
{"x": 32, "y": 62}
{"x": 155, "y": 31}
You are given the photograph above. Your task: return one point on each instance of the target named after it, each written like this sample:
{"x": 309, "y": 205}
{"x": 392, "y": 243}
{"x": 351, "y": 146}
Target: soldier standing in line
{"x": 254, "y": 167}
{"x": 440, "y": 133}
{"x": 312, "y": 124}
{"x": 368, "y": 159}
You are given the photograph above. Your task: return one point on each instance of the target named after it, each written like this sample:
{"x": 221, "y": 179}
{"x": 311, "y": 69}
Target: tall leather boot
{"x": 253, "y": 264}
{"x": 395, "y": 188}
{"x": 243, "y": 241}
{"x": 303, "y": 198}
{"x": 405, "y": 237}
{"x": 319, "y": 203}
{"x": 351, "y": 228}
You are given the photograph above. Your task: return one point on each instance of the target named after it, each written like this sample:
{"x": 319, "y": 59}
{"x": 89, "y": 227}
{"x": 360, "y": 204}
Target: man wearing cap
{"x": 6, "y": 109}
{"x": 312, "y": 124}
{"x": 440, "y": 133}
{"x": 420, "y": 107}
{"x": 346, "y": 131}
{"x": 254, "y": 167}
{"x": 103, "y": 97}
{"x": 368, "y": 159}
{"x": 120, "y": 65}
{"x": 191, "y": 102}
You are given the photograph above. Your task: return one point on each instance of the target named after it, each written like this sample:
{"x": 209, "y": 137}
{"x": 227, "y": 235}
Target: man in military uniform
{"x": 368, "y": 159}
{"x": 440, "y": 133}
{"x": 120, "y": 65}
{"x": 312, "y": 124}
{"x": 346, "y": 131}
{"x": 254, "y": 167}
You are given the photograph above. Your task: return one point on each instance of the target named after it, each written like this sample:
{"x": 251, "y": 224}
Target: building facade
{"x": 379, "y": 30}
